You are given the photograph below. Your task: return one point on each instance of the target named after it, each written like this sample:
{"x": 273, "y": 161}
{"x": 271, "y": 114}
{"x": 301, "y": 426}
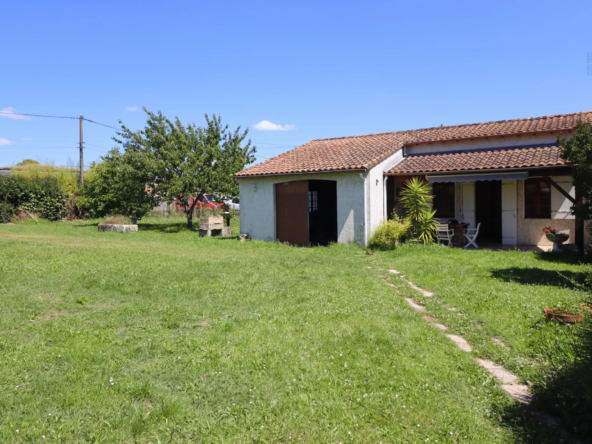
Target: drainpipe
{"x": 384, "y": 179}
{"x": 365, "y": 211}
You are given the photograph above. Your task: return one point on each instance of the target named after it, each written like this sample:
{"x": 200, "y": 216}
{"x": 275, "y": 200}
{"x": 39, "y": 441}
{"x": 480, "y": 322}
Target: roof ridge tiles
{"x": 462, "y": 125}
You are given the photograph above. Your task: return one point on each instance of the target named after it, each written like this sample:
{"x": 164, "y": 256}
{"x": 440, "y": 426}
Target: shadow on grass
{"x": 565, "y": 395}
{"x": 538, "y": 276}
{"x": 167, "y": 228}
{"x": 526, "y": 426}
{"x": 564, "y": 258}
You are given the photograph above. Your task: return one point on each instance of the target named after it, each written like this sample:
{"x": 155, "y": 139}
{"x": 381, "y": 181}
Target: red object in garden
{"x": 206, "y": 202}
{"x": 552, "y": 313}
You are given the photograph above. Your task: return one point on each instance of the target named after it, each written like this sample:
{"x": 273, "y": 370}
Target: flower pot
{"x": 551, "y": 313}
{"x": 557, "y": 240}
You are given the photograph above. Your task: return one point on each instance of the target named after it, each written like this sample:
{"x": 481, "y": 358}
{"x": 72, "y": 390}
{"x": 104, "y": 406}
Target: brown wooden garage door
{"x": 291, "y": 203}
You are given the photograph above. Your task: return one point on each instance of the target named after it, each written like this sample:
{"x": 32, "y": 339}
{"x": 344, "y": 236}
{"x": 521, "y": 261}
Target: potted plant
{"x": 555, "y": 237}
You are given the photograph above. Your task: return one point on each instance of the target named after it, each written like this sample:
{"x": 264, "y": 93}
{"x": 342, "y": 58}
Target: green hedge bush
{"x": 41, "y": 195}
{"x": 389, "y": 234}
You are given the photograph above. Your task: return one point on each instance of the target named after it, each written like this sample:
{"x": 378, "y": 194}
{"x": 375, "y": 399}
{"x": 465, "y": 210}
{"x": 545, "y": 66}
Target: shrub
{"x": 417, "y": 202}
{"x": 6, "y": 212}
{"x": 389, "y": 234}
{"x": 41, "y": 195}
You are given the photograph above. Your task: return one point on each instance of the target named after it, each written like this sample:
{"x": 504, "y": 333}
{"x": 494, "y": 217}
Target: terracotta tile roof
{"x": 363, "y": 152}
{"x": 492, "y": 159}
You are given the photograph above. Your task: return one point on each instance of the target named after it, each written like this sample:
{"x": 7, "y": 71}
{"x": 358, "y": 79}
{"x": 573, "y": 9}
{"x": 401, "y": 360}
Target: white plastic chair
{"x": 444, "y": 233}
{"x": 471, "y": 236}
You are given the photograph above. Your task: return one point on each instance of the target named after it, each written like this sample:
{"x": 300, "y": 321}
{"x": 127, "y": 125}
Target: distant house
{"x": 5, "y": 171}
{"x": 507, "y": 175}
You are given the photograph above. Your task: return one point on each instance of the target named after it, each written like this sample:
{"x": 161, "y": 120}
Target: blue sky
{"x": 317, "y": 69}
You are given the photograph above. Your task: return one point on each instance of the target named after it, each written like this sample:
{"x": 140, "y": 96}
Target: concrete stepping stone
{"x": 439, "y": 326}
{"x": 421, "y": 290}
{"x": 498, "y": 342}
{"x": 498, "y": 371}
{"x": 415, "y": 306}
{"x": 428, "y": 318}
{"x": 411, "y": 284}
{"x": 462, "y": 344}
{"x": 518, "y": 392}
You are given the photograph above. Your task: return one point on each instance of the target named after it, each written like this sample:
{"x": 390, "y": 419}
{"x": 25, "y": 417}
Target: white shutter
{"x": 560, "y": 206}
{"x": 469, "y": 203}
{"x": 509, "y": 216}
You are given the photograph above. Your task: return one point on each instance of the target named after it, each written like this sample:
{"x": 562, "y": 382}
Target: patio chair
{"x": 444, "y": 233}
{"x": 471, "y": 236}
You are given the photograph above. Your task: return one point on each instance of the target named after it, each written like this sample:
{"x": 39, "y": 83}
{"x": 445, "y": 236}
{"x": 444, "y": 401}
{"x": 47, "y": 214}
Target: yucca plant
{"x": 416, "y": 199}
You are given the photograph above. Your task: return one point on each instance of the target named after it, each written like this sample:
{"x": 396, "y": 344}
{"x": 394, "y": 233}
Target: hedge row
{"x": 42, "y": 195}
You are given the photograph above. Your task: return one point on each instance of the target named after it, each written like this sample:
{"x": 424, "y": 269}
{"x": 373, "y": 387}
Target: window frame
{"x": 448, "y": 206}
{"x": 537, "y": 198}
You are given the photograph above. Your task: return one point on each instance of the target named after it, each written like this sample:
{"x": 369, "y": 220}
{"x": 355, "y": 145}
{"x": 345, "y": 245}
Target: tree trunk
{"x": 190, "y": 214}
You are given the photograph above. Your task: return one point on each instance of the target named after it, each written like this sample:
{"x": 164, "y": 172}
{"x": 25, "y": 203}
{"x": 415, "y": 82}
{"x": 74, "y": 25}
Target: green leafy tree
{"x": 416, "y": 199}
{"x": 189, "y": 161}
{"x": 120, "y": 184}
{"x": 578, "y": 152}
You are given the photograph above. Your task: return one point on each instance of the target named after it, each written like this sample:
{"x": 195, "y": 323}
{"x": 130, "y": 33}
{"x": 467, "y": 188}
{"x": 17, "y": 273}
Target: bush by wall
{"x": 41, "y": 195}
{"x": 389, "y": 234}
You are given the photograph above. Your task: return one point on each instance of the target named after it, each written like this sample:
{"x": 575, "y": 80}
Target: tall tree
{"x": 189, "y": 161}
{"x": 578, "y": 152}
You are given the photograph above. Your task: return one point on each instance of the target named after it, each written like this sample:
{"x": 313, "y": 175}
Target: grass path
{"x": 161, "y": 335}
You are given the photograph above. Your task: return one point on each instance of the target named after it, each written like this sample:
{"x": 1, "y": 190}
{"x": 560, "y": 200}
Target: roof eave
{"x": 483, "y": 170}
{"x": 489, "y": 136}
{"x": 299, "y": 173}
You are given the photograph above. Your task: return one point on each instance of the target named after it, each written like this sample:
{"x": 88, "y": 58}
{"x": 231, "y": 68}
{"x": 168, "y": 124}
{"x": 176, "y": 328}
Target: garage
{"x": 306, "y": 212}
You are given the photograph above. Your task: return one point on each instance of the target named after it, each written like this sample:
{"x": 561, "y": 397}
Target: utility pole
{"x": 81, "y": 154}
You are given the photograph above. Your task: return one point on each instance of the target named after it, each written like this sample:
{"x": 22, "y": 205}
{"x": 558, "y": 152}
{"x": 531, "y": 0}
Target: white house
{"x": 506, "y": 175}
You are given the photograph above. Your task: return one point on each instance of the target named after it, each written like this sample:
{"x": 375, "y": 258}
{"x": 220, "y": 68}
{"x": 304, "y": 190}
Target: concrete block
{"x": 118, "y": 228}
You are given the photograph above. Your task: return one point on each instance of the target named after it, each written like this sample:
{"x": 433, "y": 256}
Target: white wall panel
{"x": 468, "y": 196}
{"x": 509, "y": 213}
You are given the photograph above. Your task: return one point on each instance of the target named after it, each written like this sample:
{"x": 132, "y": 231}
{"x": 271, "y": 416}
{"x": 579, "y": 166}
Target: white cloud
{"x": 266, "y": 125}
{"x": 131, "y": 108}
{"x": 8, "y": 112}
{"x": 4, "y": 141}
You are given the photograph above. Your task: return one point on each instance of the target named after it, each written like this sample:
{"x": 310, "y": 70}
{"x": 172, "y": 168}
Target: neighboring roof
{"x": 363, "y": 152}
{"x": 490, "y": 159}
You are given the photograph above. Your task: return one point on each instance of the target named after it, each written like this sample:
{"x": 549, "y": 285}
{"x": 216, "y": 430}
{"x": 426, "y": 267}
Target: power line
{"x": 36, "y": 115}
{"x": 102, "y": 124}
{"x": 57, "y": 117}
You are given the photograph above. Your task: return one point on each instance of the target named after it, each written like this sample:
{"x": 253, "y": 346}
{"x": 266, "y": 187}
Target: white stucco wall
{"x": 530, "y": 231}
{"x": 257, "y": 200}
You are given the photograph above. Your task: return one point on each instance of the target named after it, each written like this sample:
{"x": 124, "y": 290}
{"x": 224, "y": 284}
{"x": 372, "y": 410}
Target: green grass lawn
{"x": 502, "y": 294}
{"x": 163, "y": 336}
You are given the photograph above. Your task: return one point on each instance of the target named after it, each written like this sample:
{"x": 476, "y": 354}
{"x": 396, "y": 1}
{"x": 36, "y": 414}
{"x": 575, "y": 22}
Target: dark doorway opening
{"x": 488, "y": 209}
{"x": 322, "y": 212}
{"x": 306, "y": 212}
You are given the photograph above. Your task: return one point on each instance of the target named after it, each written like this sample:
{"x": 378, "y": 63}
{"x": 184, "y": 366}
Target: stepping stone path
{"x": 415, "y": 306}
{"x": 498, "y": 342}
{"x": 460, "y": 341}
{"x": 412, "y": 285}
{"x": 509, "y": 382}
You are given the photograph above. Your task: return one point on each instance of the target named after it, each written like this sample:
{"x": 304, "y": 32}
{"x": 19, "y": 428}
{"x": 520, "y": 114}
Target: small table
{"x": 462, "y": 228}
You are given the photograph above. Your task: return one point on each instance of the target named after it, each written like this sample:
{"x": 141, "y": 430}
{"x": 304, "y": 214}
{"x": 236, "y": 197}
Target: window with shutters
{"x": 537, "y": 199}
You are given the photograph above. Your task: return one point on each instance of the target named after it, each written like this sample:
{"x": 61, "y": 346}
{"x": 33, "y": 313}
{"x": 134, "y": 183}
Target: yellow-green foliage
{"x": 67, "y": 176}
{"x": 389, "y": 234}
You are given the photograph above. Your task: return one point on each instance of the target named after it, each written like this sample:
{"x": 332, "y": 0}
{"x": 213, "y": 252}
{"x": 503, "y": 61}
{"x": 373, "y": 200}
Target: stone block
{"x": 118, "y": 228}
